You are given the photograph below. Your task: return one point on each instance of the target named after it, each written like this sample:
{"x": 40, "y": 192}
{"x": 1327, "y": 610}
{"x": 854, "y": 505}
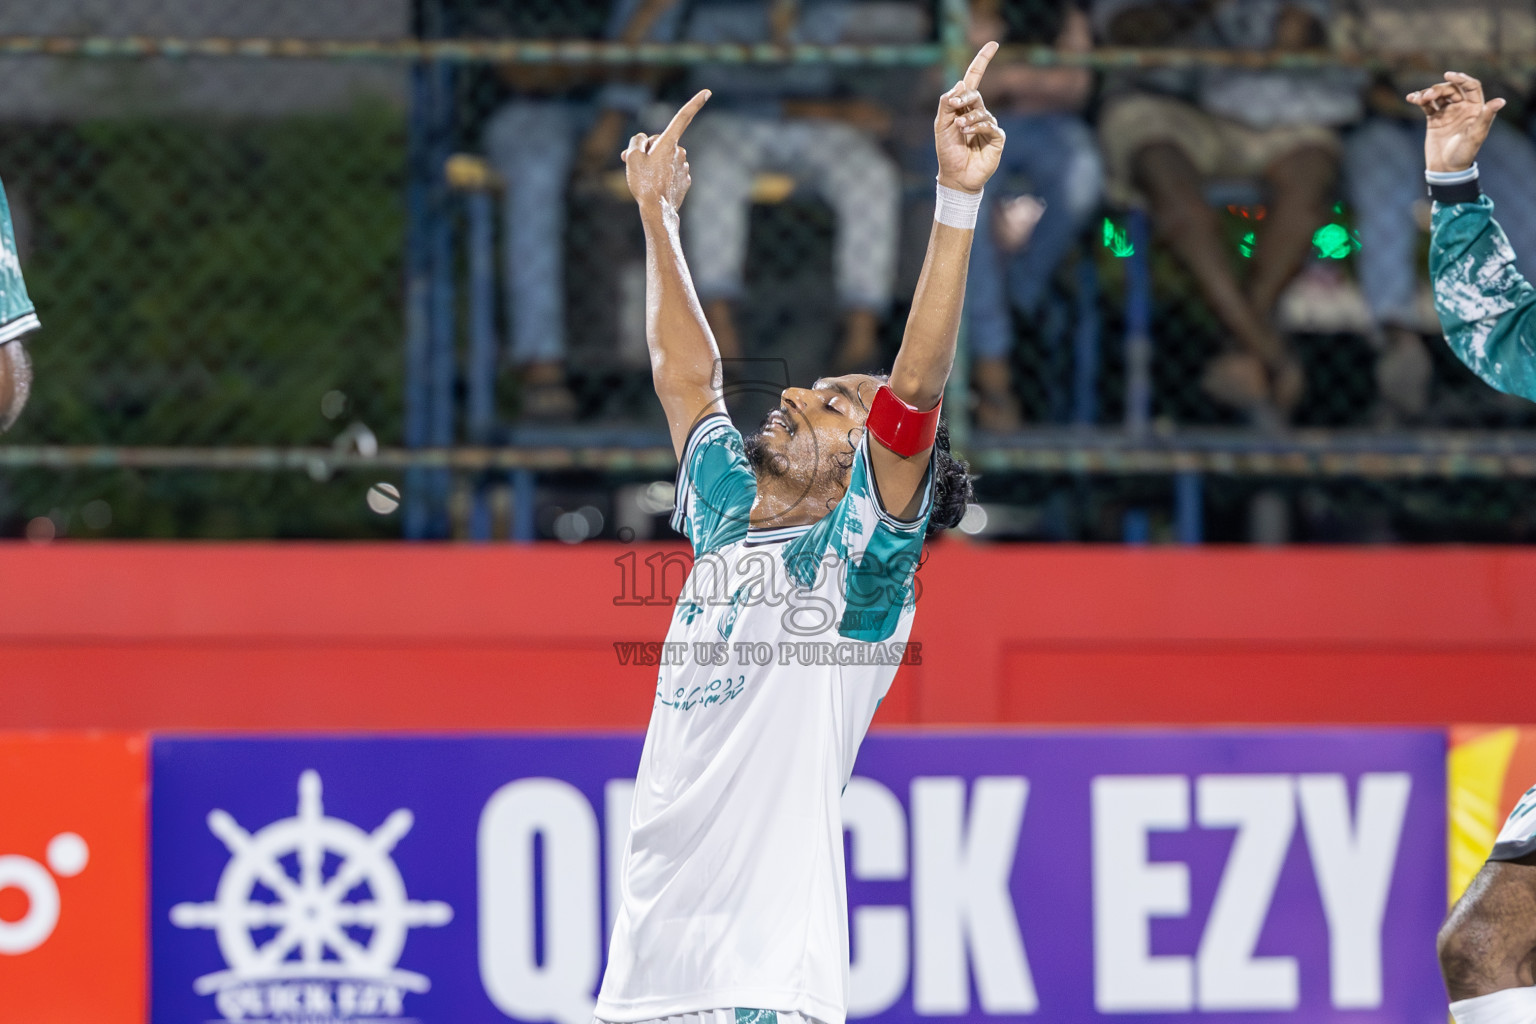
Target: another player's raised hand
{"x": 1459, "y": 121}
{"x": 655, "y": 166}
{"x": 966, "y": 135}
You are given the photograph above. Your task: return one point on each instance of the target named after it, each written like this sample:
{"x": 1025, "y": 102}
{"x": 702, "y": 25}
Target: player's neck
{"x": 783, "y": 501}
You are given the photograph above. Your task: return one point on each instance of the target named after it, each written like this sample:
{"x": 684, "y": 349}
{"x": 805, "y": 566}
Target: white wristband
{"x": 957, "y": 209}
{"x": 1451, "y": 177}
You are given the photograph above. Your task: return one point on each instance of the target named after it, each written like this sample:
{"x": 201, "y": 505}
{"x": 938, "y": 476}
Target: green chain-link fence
{"x": 215, "y": 246}
{"x": 213, "y": 201}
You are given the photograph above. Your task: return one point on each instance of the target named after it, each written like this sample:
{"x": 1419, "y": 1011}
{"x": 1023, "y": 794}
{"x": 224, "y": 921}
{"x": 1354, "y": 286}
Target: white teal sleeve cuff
{"x": 13, "y": 329}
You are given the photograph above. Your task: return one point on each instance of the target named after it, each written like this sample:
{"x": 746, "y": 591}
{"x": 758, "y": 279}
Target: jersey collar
{"x": 756, "y": 536}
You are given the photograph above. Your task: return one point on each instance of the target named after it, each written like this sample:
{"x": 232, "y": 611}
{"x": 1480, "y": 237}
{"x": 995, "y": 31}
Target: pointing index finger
{"x": 979, "y": 65}
{"x": 684, "y": 117}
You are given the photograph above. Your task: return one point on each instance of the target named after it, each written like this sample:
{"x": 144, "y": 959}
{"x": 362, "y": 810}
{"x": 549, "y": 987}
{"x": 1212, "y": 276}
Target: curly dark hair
{"x": 953, "y": 486}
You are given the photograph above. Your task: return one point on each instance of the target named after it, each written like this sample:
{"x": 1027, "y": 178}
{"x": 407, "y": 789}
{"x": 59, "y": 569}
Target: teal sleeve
{"x": 715, "y": 486}
{"x": 1487, "y": 309}
{"x": 17, "y": 315}
{"x": 876, "y": 553}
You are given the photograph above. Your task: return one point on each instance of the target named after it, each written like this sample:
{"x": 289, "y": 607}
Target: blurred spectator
{"x": 559, "y": 117}
{"x": 1019, "y": 241}
{"x": 1384, "y": 176}
{"x": 1176, "y": 132}
{"x": 800, "y": 120}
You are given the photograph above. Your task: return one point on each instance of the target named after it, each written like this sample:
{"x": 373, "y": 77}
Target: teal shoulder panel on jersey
{"x": 875, "y": 554}
{"x": 1486, "y": 307}
{"x": 17, "y": 315}
{"x": 715, "y": 487}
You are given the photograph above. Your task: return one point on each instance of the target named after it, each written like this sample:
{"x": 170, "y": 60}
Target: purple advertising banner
{"x": 1264, "y": 876}
{"x": 1233, "y": 876}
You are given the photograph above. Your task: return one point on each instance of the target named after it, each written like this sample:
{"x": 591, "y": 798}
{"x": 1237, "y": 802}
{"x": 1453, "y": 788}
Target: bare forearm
{"x": 684, "y": 359}
{"x": 15, "y": 382}
{"x": 928, "y": 346}
{"x": 681, "y": 343}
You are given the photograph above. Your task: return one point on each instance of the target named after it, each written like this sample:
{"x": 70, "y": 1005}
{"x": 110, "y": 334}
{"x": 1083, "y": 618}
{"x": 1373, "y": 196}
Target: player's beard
{"x": 761, "y": 457}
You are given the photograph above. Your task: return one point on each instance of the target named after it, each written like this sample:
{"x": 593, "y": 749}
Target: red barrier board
{"x": 73, "y": 815}
{"x": 498, "y": 637}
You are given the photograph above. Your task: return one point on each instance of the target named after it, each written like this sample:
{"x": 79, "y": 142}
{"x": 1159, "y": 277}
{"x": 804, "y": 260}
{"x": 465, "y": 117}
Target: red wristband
{"x": 903, "y": 429}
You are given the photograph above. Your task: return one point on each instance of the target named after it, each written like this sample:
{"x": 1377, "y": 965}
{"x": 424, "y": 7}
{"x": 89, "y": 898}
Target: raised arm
{"x": 969, "y": 144}
{"x": 685, "y": 364}
{"x": 1486, "y": 307}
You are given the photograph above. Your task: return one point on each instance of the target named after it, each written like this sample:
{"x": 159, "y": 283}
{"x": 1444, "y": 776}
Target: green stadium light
{"x": 1335, "y": 242}
{"x": 1117, "y": 241}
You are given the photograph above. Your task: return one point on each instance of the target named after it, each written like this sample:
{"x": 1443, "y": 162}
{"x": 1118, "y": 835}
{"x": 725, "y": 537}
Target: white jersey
{"x": 1517, "y": 839}
{"x": 733, "y": 892}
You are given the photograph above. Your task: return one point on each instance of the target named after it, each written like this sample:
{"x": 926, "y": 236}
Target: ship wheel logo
{"x": 311, "y": 898}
